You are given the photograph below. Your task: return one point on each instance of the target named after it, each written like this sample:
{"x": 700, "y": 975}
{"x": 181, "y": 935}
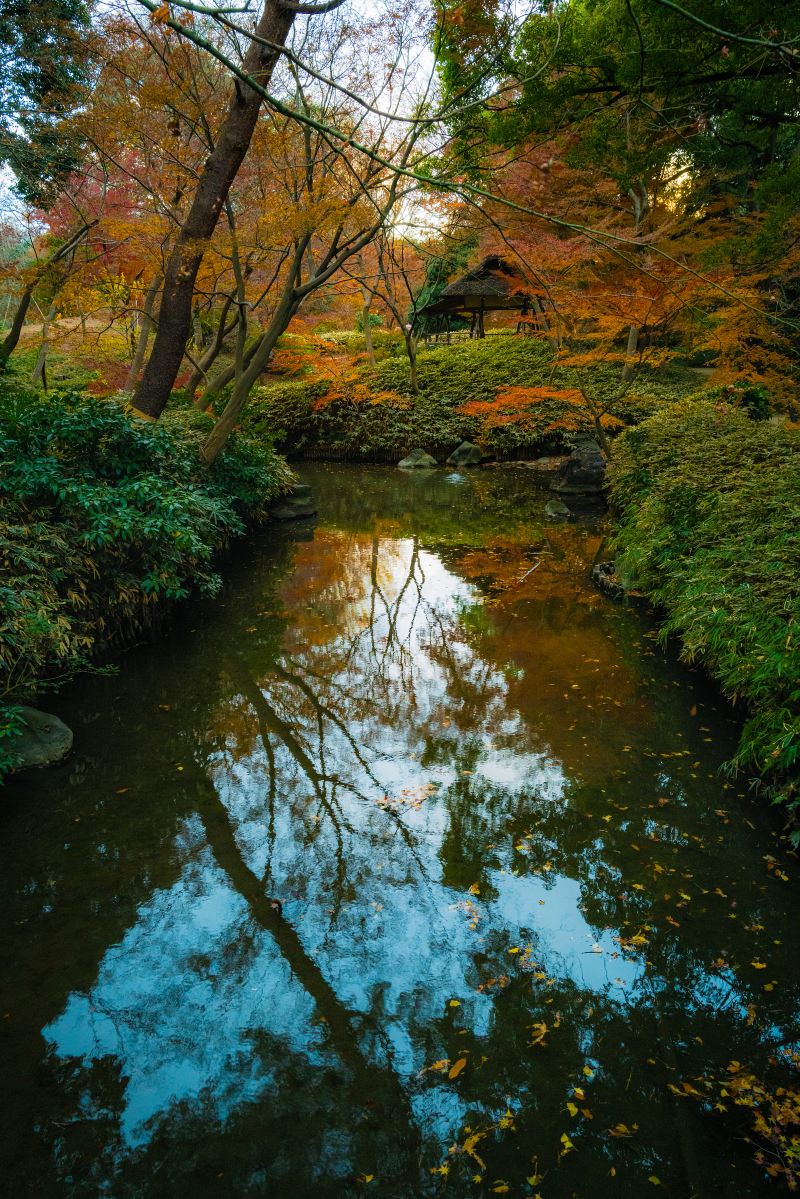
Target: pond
{"x": 405, "y": 868}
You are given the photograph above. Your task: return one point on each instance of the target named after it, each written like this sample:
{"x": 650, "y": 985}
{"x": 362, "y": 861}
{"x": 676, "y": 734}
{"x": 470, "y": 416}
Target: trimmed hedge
{"x": 709, "y": 505}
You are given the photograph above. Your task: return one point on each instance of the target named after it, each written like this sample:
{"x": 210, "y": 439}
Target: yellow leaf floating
{"x": 455, "y": 1003}
{"x": 469, "y": 1148}
{"x": 572, "y": 1108}
{"x": 759, "y": 965}
{"x": 457, "y": 1067}
{"x": 442, "y": 1064}
{"x": 656, "y": 1181}
{"x": 567, "y": 1144}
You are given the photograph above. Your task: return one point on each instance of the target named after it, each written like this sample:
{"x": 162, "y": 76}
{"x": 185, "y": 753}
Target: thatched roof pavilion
{"x": 494, "y": 285}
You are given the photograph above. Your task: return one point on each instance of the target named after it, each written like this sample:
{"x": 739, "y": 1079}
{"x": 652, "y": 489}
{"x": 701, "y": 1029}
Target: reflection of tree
{"x": 389, "y": 656}
{"x": 368, "y": 1080}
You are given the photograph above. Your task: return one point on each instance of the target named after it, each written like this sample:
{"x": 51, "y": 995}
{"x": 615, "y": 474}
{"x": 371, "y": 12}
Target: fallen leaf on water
{"x": 655, "y": 1180}
{"x": 759, "y": 965}
{"x": 440, "y": 1065}
{"x": 622, "y": 1130}
{"x": 469, "y": 1148}
{"x": 572, "y": 1108}
{"x": 568, "y": 1145}
{"x": 455, "y": 1003}
{"x": 457, "y": 1067}
{"x": 474, "y": 889}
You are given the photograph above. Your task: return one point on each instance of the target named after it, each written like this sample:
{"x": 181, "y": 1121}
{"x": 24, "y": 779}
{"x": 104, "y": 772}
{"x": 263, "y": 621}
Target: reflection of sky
{"x": 179, "y": 1000}
{"x": 170, "y": 1006}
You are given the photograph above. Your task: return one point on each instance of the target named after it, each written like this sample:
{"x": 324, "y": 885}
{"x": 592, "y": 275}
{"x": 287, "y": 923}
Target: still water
{"x": 406, "y": 868}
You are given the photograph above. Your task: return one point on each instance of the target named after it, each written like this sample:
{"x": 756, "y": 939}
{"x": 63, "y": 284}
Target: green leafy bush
{"x": 472, "y": 370}
{"x": 372, "y": 415}
{"x": 103, "y": 518}
{"x": 709, "y": 530}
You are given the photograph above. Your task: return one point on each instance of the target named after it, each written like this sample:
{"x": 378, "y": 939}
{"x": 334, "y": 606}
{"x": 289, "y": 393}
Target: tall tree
{"x": 45, "y": 57}
{"x": 213, "y": 185}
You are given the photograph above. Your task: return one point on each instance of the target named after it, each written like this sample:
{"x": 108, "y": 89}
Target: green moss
{"x": 708, "y": 504}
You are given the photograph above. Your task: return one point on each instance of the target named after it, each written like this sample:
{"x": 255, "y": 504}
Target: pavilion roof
{"x": 495, "y": 283}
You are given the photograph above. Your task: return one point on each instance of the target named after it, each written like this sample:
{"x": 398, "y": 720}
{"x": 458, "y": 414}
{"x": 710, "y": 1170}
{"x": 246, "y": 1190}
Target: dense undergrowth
{"x": 104, "y": 519}
{"x": 506, "y": 393}
{"x": 708, "y": 504}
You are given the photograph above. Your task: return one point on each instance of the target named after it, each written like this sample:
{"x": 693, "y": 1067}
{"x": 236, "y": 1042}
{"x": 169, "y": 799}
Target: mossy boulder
{"x": 298, "y": 504}
{"x": 417, "y": 460}
{"x": 583, "y": 473}
{"x": 42, "y": 740}
{"x": 467, "y": 454}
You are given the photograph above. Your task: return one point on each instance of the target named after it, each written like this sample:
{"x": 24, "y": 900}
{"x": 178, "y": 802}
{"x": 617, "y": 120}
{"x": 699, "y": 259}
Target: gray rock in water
{"x": 42, "y": 741}
{"x": 583, "y": 473}
{"x": 417, "y": 460}
{"x": 466, "y": 454}
{"x": 296, "y": 505}
{"x": 549, "y": 464}
{"x": 557, "y": 510}
{"x": 586, "y": 443}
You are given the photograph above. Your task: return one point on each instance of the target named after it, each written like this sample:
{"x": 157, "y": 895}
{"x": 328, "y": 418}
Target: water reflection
{"x": 384, "y": 866}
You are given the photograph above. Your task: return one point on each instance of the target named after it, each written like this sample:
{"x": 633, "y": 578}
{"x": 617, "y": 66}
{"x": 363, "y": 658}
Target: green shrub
{"x": 103, "y": 517}
{"x": 472, "y": 370}
{"x": 709, "y": 530}
{"x": 372, "y": 415}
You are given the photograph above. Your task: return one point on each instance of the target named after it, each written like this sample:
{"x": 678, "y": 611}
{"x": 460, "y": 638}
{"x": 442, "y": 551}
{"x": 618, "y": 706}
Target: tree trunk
{"x": 218, "y": 174}
{"x": 12, "y": 337}
{"x": 629, "y": 368}
{"x": 146, "y": 324}
{"x": 641, "y": 207}
{"x": 411, "y": 350}
{"x": 259, "y": 358}
{"x": 39, "y": 373}
{"x": 227, "y": 375}
{"x": 205, "y": 363}
{"x": 197, "y": 331}
{"x": 366, "y": 306}
{"x": 365, "y": 313}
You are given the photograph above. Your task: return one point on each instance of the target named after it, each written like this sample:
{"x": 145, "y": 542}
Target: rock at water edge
{"x": 417, "y": 460}
{"x": 296, "y": 505}
{"x": 583, "y": 473}
{"x": 467, "y": 454}
{"x": 43, "y": 739}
